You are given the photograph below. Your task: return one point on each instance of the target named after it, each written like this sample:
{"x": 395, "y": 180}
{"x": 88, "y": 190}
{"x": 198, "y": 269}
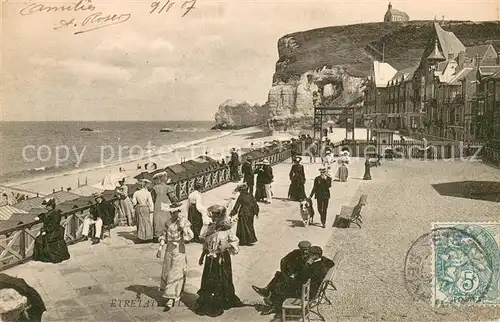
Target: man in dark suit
{"x": 102, "y": 213}
{"x": 234, "y": 165}
{"x": 267, "y": 179}
{"x": 248, "y": 174}
{"x": 318, "y": 267}
{"x": 321, "y": 190}
{"x": 292, "y": 275}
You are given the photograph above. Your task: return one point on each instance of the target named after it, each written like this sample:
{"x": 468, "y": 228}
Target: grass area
{"x": 354, "y": 46}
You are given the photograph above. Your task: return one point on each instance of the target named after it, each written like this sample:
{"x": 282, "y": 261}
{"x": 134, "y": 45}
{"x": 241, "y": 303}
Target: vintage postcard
{"x": 236, "y": 160}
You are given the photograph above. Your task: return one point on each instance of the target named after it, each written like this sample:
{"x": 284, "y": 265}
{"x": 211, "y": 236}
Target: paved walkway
{"x": 103, "y": 282}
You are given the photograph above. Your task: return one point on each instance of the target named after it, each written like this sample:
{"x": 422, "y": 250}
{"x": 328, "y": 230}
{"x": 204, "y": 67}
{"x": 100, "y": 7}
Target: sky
{"x": 160, "y": 65}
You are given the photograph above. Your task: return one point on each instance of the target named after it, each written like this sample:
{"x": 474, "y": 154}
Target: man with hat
{"x": 321, "y": 190}
{"x": 267, "y": 179}
{"x": 296, "y": 191}
{"x": 291, "y": 274}
{"x": 248, "y": 174}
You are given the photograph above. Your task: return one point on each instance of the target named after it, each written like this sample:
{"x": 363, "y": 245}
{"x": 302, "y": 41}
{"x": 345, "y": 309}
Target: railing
{"x": 17, "y": 243}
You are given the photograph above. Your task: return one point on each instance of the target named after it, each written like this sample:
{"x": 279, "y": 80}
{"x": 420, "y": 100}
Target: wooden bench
{"x": 353, "y": 214}
{"x": 326, "y": 285}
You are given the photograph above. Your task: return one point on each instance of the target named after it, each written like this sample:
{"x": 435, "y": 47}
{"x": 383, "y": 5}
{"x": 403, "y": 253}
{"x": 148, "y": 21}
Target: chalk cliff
{"x": 234, "y": 115}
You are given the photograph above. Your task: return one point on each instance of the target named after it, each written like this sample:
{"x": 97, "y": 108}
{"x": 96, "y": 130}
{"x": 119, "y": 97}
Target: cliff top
{"x": 355, "y": 46}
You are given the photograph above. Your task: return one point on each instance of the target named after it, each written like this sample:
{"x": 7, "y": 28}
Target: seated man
{"x": 99, "y": 215}
{"x": 318, "y": 267}
{"x": 290, "y": 278}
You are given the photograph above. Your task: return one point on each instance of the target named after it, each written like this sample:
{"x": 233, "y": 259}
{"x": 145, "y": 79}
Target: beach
{"x": 217, "y": 146}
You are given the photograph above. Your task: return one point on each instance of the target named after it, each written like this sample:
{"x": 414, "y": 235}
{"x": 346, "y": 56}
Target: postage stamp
{"x": 466, "y": 263}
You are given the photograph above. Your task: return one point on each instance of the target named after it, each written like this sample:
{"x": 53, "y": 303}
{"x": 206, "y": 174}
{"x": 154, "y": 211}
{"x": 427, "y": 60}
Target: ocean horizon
{"x": 33, "y": 149}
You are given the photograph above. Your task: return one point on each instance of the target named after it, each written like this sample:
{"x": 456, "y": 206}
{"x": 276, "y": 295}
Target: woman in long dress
{"x": 50, "y": 246}
{"x": 143, "y": 202}
{"x": 197, "y": 213}
{"x": 173, "y": 273}
{"x": 217, "y": 291}
{"x": 164, "y": 197}
{"x": 260, "y": 189}
{"x": 343, "y": 169}
{"x": 246, "y": 208}
{"x": 126, "y": 207}
{"x": 296, "y": 191}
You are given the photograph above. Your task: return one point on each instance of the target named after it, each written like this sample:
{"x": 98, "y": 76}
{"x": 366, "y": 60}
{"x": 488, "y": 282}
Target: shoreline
{"x": 215, "y": 145}
{"x": 94, "y": 167}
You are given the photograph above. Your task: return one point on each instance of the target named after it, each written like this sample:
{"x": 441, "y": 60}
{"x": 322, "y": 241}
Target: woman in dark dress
{"x": 297, "y": 192}
{"x": 50, "y": 246}
{"x": 260, "y": 190}
{"x": 217, "y": 292}
{"x": 246, "y": 208}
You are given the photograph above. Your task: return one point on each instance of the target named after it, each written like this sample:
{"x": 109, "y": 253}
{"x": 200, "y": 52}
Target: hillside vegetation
{"x": 355, "y": 46}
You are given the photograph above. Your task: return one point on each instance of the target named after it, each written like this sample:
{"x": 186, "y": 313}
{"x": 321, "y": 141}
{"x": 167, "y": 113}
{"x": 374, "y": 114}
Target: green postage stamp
{"x": 466, "y": 263}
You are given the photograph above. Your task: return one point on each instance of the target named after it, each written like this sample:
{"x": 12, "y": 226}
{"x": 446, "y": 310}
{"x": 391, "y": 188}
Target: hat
{"x": 265, "y": 161}
{"x": 49, "y": 202}
{"x": 249, "y": 158}
{"x": 298, "y": 159}
{"x": 328, "y": 151}
{"x": 322, "y": 169}
{"x": 316, "y": 250}
{"x": 160, "y": 175}
{"x": 241, "y": 187}
{"x": 198, "y": 186}
{"x": 217, "y": 211}
{"x": 346, "y": 153}
{"x": 304, "y": 244}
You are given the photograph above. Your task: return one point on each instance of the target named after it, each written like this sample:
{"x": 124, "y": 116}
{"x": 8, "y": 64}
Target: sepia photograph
{"x": 249, "y": 160}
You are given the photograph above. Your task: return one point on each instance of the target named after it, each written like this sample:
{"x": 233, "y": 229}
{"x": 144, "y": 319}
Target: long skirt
{"x": 342, "y": 173}
{"x": 196, "y": 220}
{"x": 245, "y": 230}
{"x": 217, "y": 292}
{"x": 296, "y": 191}
{"x": 173, "y": 273}
{"x": 127, "y": 210}
{"x": 260, "y": 192}
{"x": 144, "y": 227}
{"x": 51, "y": 248}
{"x": 160, "y": 218}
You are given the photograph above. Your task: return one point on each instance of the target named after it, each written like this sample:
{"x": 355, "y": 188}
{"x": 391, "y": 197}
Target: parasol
{"x": 110, "y": 182}
{"x": 35, "y": 301}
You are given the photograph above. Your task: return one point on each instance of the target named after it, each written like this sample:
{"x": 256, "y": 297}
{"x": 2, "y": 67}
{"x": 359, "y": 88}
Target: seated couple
{"x": 306, "y": 262}
{"x": 101, "y": 213}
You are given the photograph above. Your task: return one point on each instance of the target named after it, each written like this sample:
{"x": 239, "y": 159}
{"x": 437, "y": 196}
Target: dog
{"x": 306, "y": 211}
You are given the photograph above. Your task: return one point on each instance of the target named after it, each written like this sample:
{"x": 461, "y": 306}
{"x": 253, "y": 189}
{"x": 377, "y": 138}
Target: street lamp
{"x": 368, "y": 125}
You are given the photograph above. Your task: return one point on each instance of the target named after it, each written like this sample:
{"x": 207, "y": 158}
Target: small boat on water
{"x": 86, "y": 129}
{"x": 166, "y": 130}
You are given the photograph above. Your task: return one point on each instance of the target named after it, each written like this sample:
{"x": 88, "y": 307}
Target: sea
{"x": 37, "y": 149}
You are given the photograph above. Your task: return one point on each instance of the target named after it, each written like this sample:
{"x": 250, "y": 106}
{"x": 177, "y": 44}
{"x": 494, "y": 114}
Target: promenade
{"x": 401, "y": 207}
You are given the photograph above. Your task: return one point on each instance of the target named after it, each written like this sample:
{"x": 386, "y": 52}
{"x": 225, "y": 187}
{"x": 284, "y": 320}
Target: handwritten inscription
{"x": 159, "y": 7}
{"x": 95, "y": 19}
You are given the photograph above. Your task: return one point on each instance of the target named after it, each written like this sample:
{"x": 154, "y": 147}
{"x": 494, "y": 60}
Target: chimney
{"x": 461, "y": 59}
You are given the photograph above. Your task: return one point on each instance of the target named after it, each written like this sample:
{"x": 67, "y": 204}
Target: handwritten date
{"x": 159, "y": 7}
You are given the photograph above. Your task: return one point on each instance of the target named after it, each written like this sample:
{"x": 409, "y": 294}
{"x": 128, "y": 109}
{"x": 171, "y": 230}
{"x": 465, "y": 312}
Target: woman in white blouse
{"x": 143, "y": 203}
{"x": 197, "y": 213}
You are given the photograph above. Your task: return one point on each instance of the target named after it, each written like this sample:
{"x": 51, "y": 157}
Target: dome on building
{"x": 395, "y": 15}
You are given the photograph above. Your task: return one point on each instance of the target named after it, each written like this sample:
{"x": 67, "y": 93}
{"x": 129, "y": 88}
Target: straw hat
{"x": 241, "y": 187}
{"x": 266, "y": 162}
{"x": 217, "y": 212}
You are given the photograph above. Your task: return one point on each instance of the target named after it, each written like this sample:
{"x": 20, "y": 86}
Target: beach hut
{"x": 7, "y": 211}
{"x": 59, "y": 196}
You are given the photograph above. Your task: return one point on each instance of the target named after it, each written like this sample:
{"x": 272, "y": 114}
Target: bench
{"x": 353, "y": 214}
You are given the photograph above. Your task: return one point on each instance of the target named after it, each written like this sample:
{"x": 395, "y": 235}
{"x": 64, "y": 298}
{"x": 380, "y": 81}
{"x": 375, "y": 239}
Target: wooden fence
{"x": 16, "y": 243}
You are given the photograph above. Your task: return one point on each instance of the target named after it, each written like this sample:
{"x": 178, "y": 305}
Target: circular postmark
{"x": 448, "y": 265}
